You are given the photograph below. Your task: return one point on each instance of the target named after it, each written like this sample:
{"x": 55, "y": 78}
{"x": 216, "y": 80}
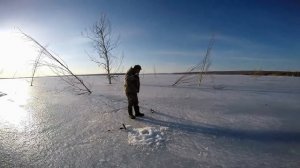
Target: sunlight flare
{"x": 15, "y": 54}
{"x": 12, "y": 113}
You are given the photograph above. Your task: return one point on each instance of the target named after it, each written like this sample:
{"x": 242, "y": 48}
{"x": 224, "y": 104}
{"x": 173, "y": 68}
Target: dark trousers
{"x": 133, "y": 101}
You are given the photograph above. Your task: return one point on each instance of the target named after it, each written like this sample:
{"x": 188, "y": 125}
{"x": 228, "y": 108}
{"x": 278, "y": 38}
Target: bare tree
{"x": 35, "y": 65}
{"x": 103, "y": 43}
{"x": 58, "y": 66}
{"x": 206, "y": 62}
{"x": 201, "y": 68}
{"x": 154, "y": 71}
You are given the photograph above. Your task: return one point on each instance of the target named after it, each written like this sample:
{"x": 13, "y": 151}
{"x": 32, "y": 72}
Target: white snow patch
{"x": 146, "y": 135}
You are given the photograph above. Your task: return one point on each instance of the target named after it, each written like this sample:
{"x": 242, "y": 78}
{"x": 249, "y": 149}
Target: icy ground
{"x": 229, "y": 121}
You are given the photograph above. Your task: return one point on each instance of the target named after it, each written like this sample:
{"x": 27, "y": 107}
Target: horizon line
{"x": 225, "y": 72}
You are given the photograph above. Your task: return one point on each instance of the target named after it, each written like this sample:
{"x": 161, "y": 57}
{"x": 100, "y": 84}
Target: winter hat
{"x": 137, "y": 67}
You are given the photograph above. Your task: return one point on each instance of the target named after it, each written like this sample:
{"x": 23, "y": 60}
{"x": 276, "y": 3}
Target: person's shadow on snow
{"x": 196, "y": 127}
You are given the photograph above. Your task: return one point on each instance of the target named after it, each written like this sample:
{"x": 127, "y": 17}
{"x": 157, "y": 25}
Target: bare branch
{"x": 57, "y": 66}
{"x": 35, "y": 66}
{"x": 202, "y": 66}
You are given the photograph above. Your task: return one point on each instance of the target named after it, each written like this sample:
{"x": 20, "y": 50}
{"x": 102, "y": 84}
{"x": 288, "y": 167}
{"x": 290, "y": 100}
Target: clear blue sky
{"x": 171, "y": 35}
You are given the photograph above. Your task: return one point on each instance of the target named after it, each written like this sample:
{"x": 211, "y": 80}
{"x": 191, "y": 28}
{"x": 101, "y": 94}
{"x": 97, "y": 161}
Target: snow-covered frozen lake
{"x": 229, "y": 121}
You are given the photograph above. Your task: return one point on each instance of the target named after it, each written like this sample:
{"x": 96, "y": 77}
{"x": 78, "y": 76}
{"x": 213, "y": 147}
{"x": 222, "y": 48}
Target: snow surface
{"x": 229, "y": 121}
{"x": 146, "y": 135}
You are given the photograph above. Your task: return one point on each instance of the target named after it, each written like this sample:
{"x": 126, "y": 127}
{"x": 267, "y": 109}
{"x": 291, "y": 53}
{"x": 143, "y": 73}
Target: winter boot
{"x": 130, "y": 113}
{"x": 137, "y": 111}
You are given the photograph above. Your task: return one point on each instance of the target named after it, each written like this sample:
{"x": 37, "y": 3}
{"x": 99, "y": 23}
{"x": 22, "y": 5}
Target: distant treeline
{"x": 254, "y": 73}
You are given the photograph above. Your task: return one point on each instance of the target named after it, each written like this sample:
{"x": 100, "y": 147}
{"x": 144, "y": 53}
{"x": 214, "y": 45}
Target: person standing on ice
{"x": 132, "y": 88}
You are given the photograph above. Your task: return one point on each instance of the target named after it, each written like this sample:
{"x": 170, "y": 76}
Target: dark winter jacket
{"x": 132, "y": 82}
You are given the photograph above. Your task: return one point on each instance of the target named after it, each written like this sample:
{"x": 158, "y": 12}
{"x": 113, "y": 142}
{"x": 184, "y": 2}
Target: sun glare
{"x": 12, "y": 112}
{"x": 15, "y": 54}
